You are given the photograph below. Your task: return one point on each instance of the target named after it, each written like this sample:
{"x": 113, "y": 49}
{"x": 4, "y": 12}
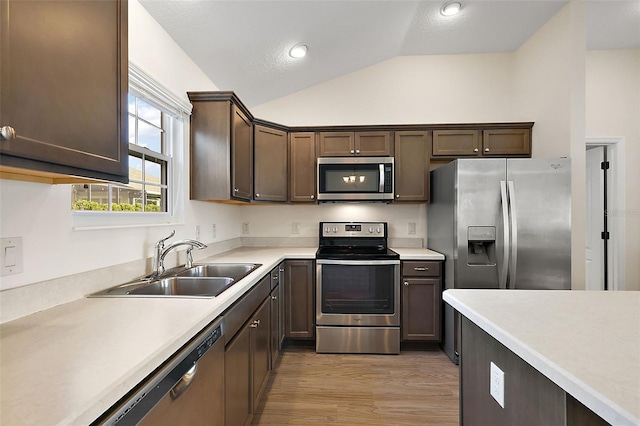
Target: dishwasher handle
{"x": 184, "y": 382}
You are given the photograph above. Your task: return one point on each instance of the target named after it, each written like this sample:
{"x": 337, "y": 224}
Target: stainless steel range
{"x": 358, "y": 289}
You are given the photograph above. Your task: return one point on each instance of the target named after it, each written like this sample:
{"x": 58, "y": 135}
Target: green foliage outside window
{"x": 121, "y": 207}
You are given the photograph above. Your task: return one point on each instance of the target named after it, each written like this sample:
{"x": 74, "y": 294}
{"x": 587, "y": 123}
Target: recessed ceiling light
{"x": 298, "y": 51}
{"x": 451, "y": 9}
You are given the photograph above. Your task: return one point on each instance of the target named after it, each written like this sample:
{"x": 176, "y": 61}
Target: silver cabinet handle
{"x": 352, "y": 151}
{"x": 357, "y": 151}
{"x": 486, "y": 150}
{"x": 255, "y": 324}
{"x": 7, "y": 132}
{"x": 274, "y": 297}
{"x": 235, "y": 189}
{"x": 406, "y": 283}
{"x": 397, "y": 195}
{"x": 275, "y": 278}
{"x": 475, "y": 150}
{"x": 420, "y": 269}
{"x": 257, "y": 195}
{"x": 313, "y": 196}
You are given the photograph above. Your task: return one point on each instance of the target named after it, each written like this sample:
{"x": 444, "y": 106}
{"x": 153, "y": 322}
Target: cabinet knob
{"x": 406, "y": 283}
{"x": 486, "y": 150}
{"x": 235, "y": 189}
{"x": 397, "y": 195}
{"x": 255, "y": 324}
{"x": 352, "y": 151}
{"x": 357, "y": 151}
{"x": 257, "y": 195}
{"x": 274, "y": 297}
{"x": 313, "y": 196}
{"x": 275, "y": 278}
{"x": 475, "y": 150}
{"x": 7, "y": 132}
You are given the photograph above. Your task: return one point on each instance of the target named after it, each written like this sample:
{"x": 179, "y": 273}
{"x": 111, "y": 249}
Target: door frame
{"x": 614, "y": 147}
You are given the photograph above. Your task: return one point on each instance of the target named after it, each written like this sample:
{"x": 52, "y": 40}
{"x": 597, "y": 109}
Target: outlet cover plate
{"x": 497, "y": 384}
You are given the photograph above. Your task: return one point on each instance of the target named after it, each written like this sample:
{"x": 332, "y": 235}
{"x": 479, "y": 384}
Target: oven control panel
{"x": 353, "y": 229}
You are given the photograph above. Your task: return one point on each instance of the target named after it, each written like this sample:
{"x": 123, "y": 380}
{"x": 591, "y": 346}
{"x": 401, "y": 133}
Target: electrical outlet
{"x": 245, "y": 227}
{"x": 412, "y": 228}
{"x": 197, "y": 232}
{"x": 497, "y": 384}
{"x": 295, "y": 228}
{"x": 213, "y": 231}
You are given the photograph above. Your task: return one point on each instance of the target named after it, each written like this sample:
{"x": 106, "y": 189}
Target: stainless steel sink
{"x": 202, "y": 280}
{"x": 233, "y": 270}
{"x": 185, "y": 286}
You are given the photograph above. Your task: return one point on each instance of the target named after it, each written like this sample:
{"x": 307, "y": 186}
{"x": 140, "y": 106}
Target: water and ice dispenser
{"x": 481, "y": 245}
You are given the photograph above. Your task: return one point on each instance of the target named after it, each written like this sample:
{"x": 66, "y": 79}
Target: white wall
{"x": 41, "y": 214}
{"x": 613, "y": 110}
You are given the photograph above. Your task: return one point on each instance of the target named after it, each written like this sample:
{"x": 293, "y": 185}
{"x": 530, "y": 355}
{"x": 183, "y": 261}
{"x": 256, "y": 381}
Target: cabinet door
{"x": 336, "y": 144}
{"x": 421, "y": 300}
{"x": 412, "y": 166}
{"x": 260, "y": 332}
{"x": 302, "y": 167}
{"x": 456, "y": 143}
{"x": 281, "y": 307}
{"x": 373, "y": 144}
{"x": 274, "y": 324}
{"x": 241, "y": 155}
{"x": 64, "y": 78}
{"x": 300, "y": 299}
{"x": 502, "y": 142}
{"x": 270, "y": 164}
{"x": 237, "y": 379}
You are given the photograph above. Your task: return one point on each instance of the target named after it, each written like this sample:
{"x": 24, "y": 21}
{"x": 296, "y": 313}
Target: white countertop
{"x": 417, "y": 254}
{"x": 71, "y": 363}
{"x": 586, "y": 342}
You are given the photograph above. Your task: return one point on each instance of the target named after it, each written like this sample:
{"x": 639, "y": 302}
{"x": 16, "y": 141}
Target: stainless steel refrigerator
{"x": 501, "y": 224}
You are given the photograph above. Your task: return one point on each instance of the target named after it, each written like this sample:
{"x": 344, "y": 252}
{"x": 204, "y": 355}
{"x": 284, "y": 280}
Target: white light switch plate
{"x": 497, "y": 384}
{"x": 10, "y": 256}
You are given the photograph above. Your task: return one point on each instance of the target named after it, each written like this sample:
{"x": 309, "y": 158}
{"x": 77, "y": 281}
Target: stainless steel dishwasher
{"x": 186, "y": 390}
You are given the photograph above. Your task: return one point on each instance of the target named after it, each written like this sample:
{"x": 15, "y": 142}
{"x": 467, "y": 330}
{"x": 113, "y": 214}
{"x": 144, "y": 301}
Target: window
{"x": 156, "y": 135}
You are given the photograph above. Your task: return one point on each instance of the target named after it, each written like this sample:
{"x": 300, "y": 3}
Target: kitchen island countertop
{"x": 586, "y": 342}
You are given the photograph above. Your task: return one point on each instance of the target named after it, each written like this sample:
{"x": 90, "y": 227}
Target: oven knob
{"x": 371, "y": 230}
{"x": 378, "y": 230}
{"x": 327, "y": 230}
{"x": 335, "y": 230}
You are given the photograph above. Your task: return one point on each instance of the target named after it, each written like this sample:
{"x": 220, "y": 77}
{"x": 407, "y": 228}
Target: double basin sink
{"x": 204, "y": 280}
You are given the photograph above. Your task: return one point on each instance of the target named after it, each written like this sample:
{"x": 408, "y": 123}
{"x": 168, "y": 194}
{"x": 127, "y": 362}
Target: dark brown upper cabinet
{"x": 64, "y": 78}
{"x": 221, "y": 148}
{"x": 270, "y": 164}
{"x": 412, "y": 165}
{"x": 489, "y": 141}
{"x": 302, "y": 167}
{"x": 347, "y": 144}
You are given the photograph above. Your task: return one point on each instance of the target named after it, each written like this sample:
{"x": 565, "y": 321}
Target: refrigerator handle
{"x": 502, "y": 279}
{"x": 514, "y": 235}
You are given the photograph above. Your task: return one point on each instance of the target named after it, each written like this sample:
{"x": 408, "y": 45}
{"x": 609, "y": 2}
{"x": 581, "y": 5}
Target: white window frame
{"x": 143, "y": 86}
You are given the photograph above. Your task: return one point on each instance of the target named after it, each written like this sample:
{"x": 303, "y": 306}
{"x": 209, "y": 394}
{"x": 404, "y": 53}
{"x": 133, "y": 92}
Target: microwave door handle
{"x": 381, "y": 187}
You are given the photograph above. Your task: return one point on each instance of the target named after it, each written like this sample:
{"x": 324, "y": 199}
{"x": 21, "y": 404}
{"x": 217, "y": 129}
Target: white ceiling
{"x": 242, "y": 45}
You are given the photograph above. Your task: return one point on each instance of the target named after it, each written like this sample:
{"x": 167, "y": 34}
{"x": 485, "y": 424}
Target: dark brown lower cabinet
{"x": 530, "y": 398}
{"x": 421, "y": 300}
{"x": 237, "y": 379}
{"x": 300, "y": 299}
{"x": 260, "y": 365}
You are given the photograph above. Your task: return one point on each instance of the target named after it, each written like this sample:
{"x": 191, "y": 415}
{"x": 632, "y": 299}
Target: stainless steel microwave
{"x": 355, "y": 179}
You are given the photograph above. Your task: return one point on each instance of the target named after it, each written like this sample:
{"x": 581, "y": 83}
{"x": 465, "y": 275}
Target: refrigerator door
{"x": 479, "y": 226}
{"x": 540, "y": 205}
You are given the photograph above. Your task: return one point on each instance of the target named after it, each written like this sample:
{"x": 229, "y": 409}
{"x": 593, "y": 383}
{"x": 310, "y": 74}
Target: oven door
{"x": 358, "y": 292}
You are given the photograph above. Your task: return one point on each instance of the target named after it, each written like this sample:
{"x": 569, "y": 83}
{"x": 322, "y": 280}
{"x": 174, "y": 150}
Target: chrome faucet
{"x": 161, "y": 252}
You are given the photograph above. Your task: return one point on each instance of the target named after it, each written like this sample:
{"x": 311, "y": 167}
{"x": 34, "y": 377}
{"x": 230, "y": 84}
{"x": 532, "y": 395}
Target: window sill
{"x": 92, "y": 220}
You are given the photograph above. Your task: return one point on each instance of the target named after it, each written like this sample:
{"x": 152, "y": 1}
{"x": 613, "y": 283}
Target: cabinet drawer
{"x": 420, "y": 269}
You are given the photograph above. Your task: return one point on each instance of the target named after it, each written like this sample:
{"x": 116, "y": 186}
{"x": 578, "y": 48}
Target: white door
{"x": 595, "y": 219}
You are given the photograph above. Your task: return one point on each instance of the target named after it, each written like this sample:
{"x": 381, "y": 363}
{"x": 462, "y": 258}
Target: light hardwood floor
{"x": 413, "y": 388}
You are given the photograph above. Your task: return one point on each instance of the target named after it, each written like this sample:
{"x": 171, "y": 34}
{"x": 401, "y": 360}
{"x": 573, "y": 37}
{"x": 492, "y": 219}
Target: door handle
{"x": 184, "y": 382}
{"x": 502, "y": 278}
{"x": 514, "y": 235}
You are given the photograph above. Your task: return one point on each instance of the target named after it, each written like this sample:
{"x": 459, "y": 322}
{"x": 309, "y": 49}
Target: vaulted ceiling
{"x": 243, "y": 45}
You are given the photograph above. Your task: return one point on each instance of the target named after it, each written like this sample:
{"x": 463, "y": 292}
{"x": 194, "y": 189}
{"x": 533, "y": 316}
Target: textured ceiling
{"x": 242, "y": 45}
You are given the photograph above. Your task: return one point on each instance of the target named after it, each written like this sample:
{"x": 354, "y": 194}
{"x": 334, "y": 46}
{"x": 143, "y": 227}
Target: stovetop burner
{"x": 354, "y": 241}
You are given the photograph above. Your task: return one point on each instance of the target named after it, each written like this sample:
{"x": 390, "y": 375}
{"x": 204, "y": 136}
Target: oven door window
{"x": 358, "y": 289}
{"x": 340, "y": 178}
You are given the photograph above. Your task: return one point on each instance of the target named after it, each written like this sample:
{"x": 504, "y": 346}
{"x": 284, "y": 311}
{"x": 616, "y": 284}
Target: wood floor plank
{"x": 413, "y": 388}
